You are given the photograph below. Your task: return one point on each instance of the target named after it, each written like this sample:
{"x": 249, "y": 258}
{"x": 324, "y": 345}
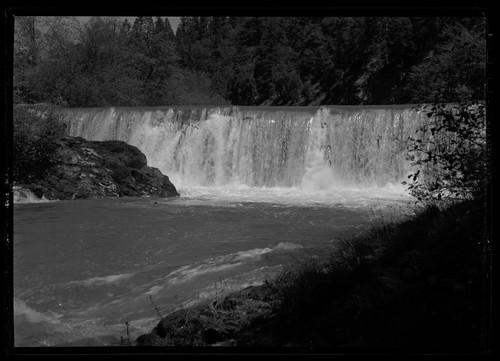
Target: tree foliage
{"x": 248, "y": 60}
{"x": 453, "y": 70}
{"x": 35, "y": 134}
{"x": 449, "y": 153}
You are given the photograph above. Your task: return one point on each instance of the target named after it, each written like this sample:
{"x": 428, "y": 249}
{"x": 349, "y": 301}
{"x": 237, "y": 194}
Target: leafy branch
{"x": 449, "y": 153}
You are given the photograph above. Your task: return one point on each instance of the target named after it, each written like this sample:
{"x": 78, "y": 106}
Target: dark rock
{"x": 229, "y": 303}
{"x": 212, "y": 336}
{"x": 264, "y": 293}
{"x": 148, "y": 340}
{"x": 37, "y": 189}
{"x": 161, "y": 330}
{"x": 91, "y": 169}
{"x": 221, "y": 321}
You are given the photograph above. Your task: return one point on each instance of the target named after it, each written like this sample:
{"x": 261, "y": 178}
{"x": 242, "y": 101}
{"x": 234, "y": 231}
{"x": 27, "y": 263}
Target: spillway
{"x": 307, "y": 147}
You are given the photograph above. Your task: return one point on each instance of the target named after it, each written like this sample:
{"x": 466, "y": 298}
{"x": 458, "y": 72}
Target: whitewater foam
{"x": 21, "y": 308}
{"x": 234, "y": 195}
{"x": 154, "y": 290}
{"x": 188, "y": 272}
{"x": 224, "y": 263}
{"x": 22, "y": 195}
{"x": 235, "y": 283}
{"x": 287, "y": 246}
{"x": 106, "y": 280}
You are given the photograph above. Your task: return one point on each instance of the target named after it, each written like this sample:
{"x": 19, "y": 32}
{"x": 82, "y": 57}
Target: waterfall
{"x": 308, "y": 147}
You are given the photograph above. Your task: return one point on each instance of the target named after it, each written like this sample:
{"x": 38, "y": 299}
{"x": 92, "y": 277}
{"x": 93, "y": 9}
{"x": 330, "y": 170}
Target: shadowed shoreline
{"x": 419, "y": 285}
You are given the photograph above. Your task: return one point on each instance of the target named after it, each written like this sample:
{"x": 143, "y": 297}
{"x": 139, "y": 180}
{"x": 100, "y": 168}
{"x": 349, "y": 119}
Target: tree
{"x": 185, "y": 37}
{"x": 187, "y": 87}
{"x": 169, "y": 30}
{"x": 29, "y": 40}
{"x": 94, "y": 70}
{"x": 35, "y": 42}
{"x": 247, "y": 33}
{"x": 314, "y": 60}
{"x": 222, "y": 52}
{"x": 249, "y": 60}
{"x": 243, "y": 90}
{"x": 125, "y": 28}
{"x": 35, "y": 135}
{"x": 454, "y": 70}
{"x": 275, "y": 72}
{"x": 387, "y": 57}
{"x": 152, "y": 56}
{"x": 449, "y": 153}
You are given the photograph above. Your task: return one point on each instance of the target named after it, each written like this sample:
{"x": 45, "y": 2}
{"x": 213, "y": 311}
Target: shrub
{"x": 449, "y": 153}
{"x": 35, "y": 134}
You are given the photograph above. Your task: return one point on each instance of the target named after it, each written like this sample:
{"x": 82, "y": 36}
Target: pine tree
{"x": 277, "y": 80}
{"x": 168, "y": 31}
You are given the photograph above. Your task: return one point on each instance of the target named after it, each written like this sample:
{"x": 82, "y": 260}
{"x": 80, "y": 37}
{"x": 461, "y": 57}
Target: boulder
{"x": 148, "y": 340}
{"x": 93, "y": 169}
{"x": 217, "y": 322}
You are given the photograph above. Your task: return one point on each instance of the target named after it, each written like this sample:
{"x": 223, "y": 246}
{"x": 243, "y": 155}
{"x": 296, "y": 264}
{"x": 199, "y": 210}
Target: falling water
{"x": 305, "y": 147}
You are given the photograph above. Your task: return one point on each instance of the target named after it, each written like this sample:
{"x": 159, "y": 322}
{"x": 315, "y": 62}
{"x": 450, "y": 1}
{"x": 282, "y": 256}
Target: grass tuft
{"x": 414, "y": 283}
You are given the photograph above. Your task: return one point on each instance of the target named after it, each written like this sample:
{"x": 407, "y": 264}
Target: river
{"x": 261, "y": 189}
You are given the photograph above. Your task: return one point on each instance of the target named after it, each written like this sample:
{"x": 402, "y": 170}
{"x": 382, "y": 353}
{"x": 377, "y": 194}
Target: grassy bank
{"x": 418, "y": 285}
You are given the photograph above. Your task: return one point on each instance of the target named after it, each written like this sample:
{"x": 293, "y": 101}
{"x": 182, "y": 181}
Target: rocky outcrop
{"x": 92, "y": 169}
{"x": 218, "y": 322}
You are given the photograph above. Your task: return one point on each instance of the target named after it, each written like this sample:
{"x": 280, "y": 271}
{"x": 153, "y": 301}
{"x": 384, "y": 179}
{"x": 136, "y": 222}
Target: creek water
{"x": 261, "y": 189}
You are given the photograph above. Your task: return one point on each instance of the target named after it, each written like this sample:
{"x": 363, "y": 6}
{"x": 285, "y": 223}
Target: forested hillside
{"x": 248, "y": 61}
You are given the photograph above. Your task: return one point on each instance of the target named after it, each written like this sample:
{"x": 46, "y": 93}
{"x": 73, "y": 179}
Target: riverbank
{"x": 420, "y": 285}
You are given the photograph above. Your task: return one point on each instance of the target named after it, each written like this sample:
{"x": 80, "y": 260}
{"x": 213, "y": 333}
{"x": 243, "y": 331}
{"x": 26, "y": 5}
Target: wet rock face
{"x": 92, "y": 169}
